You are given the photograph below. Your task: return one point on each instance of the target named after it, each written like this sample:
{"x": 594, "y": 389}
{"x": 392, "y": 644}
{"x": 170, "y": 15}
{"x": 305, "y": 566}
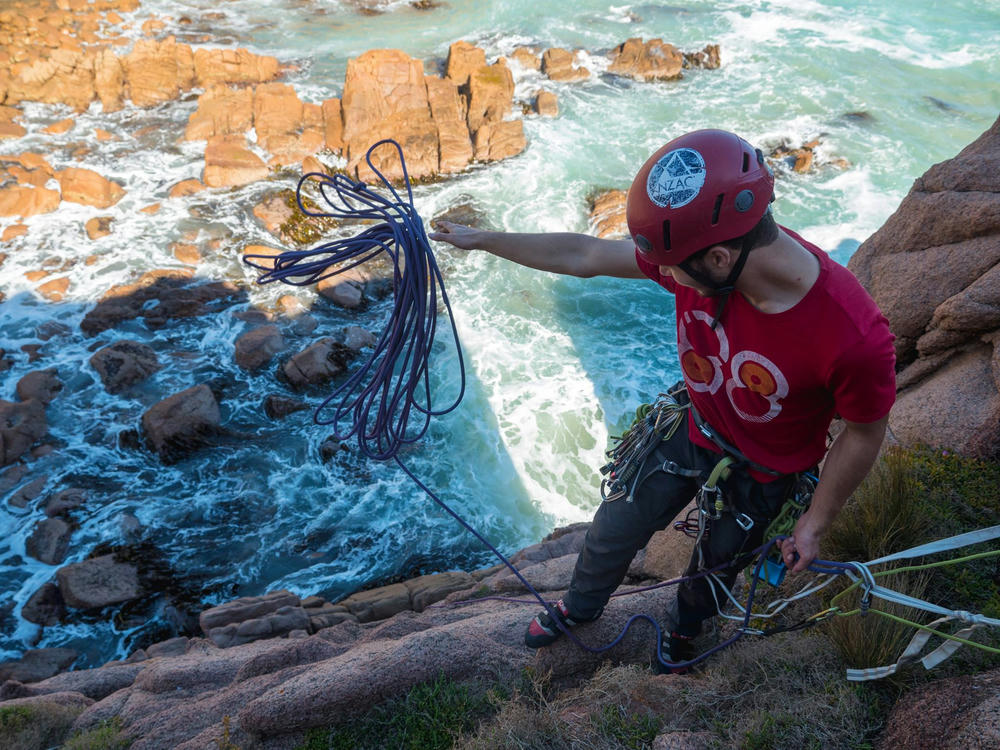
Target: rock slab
{"x": 933, "y": 270}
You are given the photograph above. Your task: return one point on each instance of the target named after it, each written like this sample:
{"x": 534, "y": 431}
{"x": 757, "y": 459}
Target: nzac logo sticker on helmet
{"x": 676, "y": 178}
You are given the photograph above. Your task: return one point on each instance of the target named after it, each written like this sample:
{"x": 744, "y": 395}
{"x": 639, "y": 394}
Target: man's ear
{"x": 719, "y": 258}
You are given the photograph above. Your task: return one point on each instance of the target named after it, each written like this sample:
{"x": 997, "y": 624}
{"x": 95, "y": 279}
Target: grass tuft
{"x": 624, "y": 729}
{"x": 910, "y": 498}
{"x": 883, "y": 516}
{"x": 429, "y": 717}
{"x": 108, "y": 735}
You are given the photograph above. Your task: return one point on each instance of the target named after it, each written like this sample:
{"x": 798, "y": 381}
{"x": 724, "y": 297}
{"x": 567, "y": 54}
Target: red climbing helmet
{"x": 698, "y": 190}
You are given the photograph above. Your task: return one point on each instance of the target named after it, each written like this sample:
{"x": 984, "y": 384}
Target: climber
{"x": 774, "y": 340}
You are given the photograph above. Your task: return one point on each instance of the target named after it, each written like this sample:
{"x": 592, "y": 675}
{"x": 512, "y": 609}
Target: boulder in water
{"x": 98, "y": 582}
{"x": 317, "y": 364}
{"x": 653, "y": 60}
{"x": 182, "y": 423}
{"x": 21, "y": 424}
{"x": 255, "y": 348}
{"x": 123, "y": 363}
{"x": 41, "y": 385}
{"x": 49, "y": 541}
{"x": 45, "y": 607}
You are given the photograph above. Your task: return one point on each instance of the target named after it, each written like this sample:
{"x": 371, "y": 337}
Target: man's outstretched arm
{"x": 558, "y": 252}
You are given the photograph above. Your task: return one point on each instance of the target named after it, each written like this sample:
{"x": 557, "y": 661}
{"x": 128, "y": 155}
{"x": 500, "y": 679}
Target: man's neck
{"x": 777, "y": 276}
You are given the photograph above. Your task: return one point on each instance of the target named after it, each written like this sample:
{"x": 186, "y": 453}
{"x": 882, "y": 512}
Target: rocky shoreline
{"x": 278, "y": 665}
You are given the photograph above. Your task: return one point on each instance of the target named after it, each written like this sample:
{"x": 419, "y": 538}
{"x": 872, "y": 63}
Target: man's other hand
{"x": 459, "y": 235}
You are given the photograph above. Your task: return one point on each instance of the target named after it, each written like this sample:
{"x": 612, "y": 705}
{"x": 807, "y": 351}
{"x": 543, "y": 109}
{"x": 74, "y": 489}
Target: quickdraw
{"x": 653, "y": 423}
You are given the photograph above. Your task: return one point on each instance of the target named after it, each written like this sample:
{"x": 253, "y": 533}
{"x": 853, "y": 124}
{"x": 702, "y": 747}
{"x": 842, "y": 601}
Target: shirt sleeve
{"x": 653, "y": 272}
{"x": 863, "y": 378}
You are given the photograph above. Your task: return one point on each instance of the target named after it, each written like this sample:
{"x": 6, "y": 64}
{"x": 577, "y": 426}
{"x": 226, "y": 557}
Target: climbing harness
{"x": 379, "y": 398}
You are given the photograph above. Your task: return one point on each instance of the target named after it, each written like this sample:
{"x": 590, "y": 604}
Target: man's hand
{"x": 459, "y": 235}
{"x": 801, "y": 548}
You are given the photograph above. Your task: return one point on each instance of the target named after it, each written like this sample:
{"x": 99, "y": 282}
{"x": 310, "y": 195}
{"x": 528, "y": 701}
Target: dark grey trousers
{"x": 622, "y": 528}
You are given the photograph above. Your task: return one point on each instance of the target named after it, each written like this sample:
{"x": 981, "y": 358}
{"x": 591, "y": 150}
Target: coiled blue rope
{"x": 375, "y": 404}
{"x": 378, "y": 399}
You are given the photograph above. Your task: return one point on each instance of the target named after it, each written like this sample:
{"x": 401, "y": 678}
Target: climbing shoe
{"x": 543, "y": 631}
{"x": 675, "y": 648}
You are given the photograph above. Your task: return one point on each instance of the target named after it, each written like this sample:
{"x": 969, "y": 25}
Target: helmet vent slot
{"x": 666, "y": 234}
{"x": 746, "y": 162}
{"x": 717, "y": 209}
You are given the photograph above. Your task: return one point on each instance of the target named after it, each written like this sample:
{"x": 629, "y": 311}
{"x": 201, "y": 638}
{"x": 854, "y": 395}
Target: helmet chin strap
{"x": 723, "y": 289}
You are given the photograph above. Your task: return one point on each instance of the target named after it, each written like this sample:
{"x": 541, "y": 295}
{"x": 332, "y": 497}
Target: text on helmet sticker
{"x": 676, "y": 178}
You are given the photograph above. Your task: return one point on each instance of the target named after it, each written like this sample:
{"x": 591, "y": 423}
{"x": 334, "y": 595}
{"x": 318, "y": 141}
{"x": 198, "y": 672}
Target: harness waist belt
{"x": 709, "y": 432}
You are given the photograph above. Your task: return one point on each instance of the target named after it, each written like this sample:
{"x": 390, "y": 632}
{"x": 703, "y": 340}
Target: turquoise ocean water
{"x": 554, "y": 363}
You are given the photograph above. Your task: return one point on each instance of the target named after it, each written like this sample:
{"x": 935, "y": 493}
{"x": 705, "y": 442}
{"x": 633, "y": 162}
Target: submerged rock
{"x": 49, "y": 541}
{"x": 62, "y": 502}
{"x": 41, "y": 385}
{"x": 158, "y": 296}
{"x": 21, "y": 425}
{"x": 45, "y": 607}
{"x": 317, "y": 364}
{"x": 255, "y": 348}
{"x": 278, "y": 407}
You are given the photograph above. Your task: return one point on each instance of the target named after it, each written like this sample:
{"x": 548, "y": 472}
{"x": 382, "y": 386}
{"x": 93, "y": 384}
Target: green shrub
{"x": 40, "y": 725}
{"x": 107, "y": 735}
{"x": 14, "y": 719}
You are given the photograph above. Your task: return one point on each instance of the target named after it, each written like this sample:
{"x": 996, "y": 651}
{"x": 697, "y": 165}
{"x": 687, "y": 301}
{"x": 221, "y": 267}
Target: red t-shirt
{"x": 770, "y": 384}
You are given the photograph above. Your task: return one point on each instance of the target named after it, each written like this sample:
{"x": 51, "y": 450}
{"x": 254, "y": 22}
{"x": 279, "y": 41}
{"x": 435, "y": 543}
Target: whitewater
{"x": 555, "y": 364}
